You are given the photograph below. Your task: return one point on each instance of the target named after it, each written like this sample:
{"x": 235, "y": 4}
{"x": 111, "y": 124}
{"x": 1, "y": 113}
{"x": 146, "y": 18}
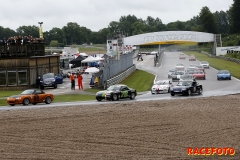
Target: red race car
{"x": 198, "y": 74}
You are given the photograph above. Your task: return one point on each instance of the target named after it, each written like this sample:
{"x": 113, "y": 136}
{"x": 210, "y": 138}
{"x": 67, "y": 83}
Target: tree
{"x": 222, "y": 21}
{"x": 72, "y": 33}
{"x": 207, "y": 20}
{"x": 56, "y": 34}
{"x": 54, "y": 43}
{"x": 28, "y": 30}
{"x": 234, "y": 12}
{"x": 138, "y": 28}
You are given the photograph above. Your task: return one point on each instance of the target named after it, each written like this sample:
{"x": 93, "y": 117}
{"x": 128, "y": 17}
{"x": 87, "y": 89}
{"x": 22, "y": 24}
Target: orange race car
{"x": 33, "y": 96}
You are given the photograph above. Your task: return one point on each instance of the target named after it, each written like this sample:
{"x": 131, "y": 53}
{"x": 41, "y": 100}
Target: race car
{"x": 116, "y": 92}
{"x": 182, "y": 56}
{"x": 162, "y": 86}
{"x": 176, "y": 75}
{"x": 205, "y": 64}
{"x": 224, "y": 74}
{"x": 192, "y": 58}
{"x": 198, "y": 74}
{"x": 28, "y": 96}
{"x": 179, "y": 66}
{"x": 186, "y": 87}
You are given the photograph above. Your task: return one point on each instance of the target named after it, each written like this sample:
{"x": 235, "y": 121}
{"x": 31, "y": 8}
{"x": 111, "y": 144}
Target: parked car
{"x": 170, "y": 72}
{"x": 28, "y": 96}
{"x": 179, "y": 66}
{"x": 205, "y": 64}
{"x": 50, "y": 80}
{"x": 192, "y": 58}
{"x": 162, "y": 86}
{"x": 187, "y": 87}
{"x": 224, "y": 74}
{"x": 199, "y": 74}
{"x": 182, "y": 56}
{"x": 116, "y": 92}
{"x": 176, "y": 75}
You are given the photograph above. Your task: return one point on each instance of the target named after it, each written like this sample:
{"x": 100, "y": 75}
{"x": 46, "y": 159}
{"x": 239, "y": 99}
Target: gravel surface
{"x": 161, "y": 129}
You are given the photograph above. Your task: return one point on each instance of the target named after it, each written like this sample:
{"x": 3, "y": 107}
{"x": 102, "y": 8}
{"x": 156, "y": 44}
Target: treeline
{"x": 221, "y": 22}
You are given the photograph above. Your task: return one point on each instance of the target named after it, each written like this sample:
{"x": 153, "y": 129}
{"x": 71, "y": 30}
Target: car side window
{"x": 38, "y": 92}
{"x": 124, "y": 89}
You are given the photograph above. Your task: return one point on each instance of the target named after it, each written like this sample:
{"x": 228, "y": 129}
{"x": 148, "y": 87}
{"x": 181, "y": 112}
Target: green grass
{"x": 139, "y": 80}
{"x": 57, "y": 98}
{"x": 219, "y": 64}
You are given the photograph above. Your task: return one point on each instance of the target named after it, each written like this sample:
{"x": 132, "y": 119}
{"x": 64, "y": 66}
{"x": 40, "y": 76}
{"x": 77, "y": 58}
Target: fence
{"x": 120, "y": 77}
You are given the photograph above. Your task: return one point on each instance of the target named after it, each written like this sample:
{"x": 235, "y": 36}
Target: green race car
{"x": 116, "y": 92}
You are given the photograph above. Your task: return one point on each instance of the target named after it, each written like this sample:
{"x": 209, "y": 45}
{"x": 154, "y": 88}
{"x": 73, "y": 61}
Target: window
{"x": 12, "y": 78}
{"x": 3, "y": 78}
{"x": 22, "y": 77}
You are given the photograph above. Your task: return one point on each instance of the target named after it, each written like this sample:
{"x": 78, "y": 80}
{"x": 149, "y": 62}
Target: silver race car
{"x": 162, "y": 86}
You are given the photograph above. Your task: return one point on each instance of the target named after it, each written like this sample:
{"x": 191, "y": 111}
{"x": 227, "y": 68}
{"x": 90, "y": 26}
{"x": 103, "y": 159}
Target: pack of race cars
{"x": 186, "y": 78}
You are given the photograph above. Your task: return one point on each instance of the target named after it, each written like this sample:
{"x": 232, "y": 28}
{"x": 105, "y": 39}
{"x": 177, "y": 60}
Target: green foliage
{"x": 139, "y": 80}
{"x": 54, "y": 43}
{"x": 207, "y": 20}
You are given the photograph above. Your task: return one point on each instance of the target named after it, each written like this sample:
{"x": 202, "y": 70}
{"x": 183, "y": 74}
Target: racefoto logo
{"x": 210, "y": 151}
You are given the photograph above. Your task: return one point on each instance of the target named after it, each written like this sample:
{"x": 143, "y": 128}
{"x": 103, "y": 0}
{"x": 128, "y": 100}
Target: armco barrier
{"x": 120, "y": 77}
{"x": 223, "y": 58}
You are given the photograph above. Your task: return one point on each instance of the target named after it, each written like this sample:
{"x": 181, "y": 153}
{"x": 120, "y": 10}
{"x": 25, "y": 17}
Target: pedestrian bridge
{"x": 169, "y": 37}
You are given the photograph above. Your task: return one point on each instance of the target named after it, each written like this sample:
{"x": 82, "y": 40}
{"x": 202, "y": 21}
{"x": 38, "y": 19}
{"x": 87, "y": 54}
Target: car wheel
{"x": 55, "y": 86}
{"x": 25, "y": 101}
{"x": 172, "y": 94}
{"x": 132, "y": 96}
{"x": 114, "y": 97}
{"x": 12, "y": 104}
{"x": 200, "y": 91}
{"x": 169, "y": 90}
{"x": 229, "y": 78}
{"x": 48, "y": 100}
{"x": 42, "y": 87}
{"x": 189, "y": 92}
{"x": 98, "y": 99}
{"x": 34, "y": 103}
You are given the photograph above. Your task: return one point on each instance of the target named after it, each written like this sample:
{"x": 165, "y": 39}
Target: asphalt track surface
{"x": 211, "y": 86}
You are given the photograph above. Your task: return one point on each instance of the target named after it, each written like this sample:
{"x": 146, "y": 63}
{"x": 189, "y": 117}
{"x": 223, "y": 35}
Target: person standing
{"x": 72, "y": 80}
{"x": 80, "y": 81}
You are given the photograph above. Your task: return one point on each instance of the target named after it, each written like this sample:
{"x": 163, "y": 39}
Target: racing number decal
{"x": 124, "y": 94}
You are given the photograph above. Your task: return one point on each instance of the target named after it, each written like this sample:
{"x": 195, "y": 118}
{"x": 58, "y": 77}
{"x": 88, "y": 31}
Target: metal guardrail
{"x": 222, "y": 57}
{"x": 120, "y": 77}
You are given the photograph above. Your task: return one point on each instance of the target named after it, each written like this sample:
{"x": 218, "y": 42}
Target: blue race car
{"x": 223, "y": 74}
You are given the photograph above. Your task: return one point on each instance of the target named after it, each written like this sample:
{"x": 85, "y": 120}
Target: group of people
{"x": 20, "y": 40}
{"x": 79, "y": 80}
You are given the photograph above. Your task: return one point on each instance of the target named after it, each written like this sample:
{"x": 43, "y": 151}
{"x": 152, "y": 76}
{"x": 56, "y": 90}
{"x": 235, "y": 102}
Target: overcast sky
{"x": 97, "y": 14}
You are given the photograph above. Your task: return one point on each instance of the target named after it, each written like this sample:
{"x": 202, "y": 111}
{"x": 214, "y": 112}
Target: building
{"x": 21, "y": 64}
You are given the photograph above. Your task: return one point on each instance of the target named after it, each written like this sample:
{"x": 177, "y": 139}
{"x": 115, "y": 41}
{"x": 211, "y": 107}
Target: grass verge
{"x": 139, "y": 80}
{"x": 219, "y": 64}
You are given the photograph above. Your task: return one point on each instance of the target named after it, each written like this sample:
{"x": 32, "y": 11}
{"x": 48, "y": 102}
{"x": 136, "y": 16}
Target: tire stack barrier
{"x": 121, "y": 77}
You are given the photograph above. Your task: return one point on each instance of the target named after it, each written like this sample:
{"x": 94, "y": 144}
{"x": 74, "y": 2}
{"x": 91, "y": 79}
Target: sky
{"x": 97, "y": 14}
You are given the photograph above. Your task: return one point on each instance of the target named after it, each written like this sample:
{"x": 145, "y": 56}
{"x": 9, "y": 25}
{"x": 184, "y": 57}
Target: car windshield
{"x": 29, "y": 91}
{"x": 113, "y": 88}
{"x": 204, "y": 62}
{"x": 179, "y": 65}
{"x": 172, "y": 70}
{"x": 49, "y": 75}
{"x": 223, "y": 72}
{"x": 184, "y": 83}
{"x": 186, "y": 76}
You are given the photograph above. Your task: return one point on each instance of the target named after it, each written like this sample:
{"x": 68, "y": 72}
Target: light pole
{"x": 40, "y": 30}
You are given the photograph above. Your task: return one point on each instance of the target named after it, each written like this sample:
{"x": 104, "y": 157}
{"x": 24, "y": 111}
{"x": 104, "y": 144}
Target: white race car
{"x": 179, "y": 67}
{"x": 162, "y": 86}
